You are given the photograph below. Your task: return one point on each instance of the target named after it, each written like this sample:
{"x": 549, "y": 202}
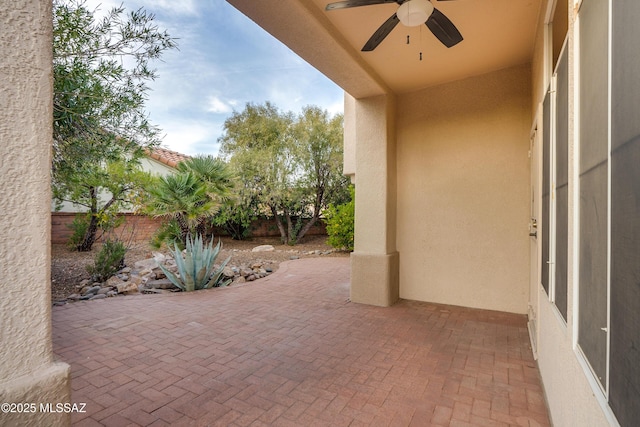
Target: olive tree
{"x": 291, "y": 164}
{"x": 101, "y": 68}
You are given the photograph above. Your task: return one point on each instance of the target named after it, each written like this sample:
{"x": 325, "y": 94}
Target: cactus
{"x": 196, "y": 269}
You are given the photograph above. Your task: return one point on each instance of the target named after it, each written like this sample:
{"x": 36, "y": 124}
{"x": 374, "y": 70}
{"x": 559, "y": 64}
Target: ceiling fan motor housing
{"x": 414, "y": 12}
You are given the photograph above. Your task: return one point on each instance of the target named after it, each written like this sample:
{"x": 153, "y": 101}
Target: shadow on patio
{"x": 291, "y": 350}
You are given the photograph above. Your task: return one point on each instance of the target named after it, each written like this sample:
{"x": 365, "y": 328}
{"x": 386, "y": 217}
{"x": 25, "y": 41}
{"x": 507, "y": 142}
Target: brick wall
{"x": 143, "y": 227}
{"x": 264, "y": 227}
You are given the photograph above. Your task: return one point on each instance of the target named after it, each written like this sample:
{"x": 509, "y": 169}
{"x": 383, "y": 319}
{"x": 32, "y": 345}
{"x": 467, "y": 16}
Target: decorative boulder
{"x": 263, "y": 248}
{"x": 126, "y": 287}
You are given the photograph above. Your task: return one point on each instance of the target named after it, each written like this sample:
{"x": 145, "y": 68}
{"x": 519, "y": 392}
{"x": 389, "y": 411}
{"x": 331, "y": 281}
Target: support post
{"x": 375, "y": 261}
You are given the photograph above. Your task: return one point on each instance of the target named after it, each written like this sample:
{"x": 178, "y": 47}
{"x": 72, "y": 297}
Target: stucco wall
{"x": 155, "y": 167}
{"x": 27, "y": 368}
{"x": 374, "y": 262}
{"x": 463, "y": 192}
{"x": 349, "y": 138}
{"x": 570, "y": 398}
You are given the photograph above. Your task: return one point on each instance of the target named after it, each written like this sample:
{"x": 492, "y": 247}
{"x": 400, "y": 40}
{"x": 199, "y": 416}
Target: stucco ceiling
{"x": 497, "y": 34}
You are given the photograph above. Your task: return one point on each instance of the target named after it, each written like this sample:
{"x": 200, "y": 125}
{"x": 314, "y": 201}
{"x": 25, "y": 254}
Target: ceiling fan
{"x": 411, "y": 13}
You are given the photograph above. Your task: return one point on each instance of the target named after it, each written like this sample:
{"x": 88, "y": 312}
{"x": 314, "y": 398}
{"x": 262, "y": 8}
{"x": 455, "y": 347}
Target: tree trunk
{"x": 291, "y": 238}
{"x": 184, "y": 229}
{"x": 283, "y": 232}
{"x": 201, "y": 229}
{"x": 307, "y": 226}
{"x": 316, "y": 213}
{"x": 89, "y": 237}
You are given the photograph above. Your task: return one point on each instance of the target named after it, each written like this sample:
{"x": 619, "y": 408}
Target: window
{"x": 609, "y": 178}
{"x": 594, "y": 188}
{"x": 561, "y": 183}
{"x": 624, "y": 364}
{"x": 555, "y": 158}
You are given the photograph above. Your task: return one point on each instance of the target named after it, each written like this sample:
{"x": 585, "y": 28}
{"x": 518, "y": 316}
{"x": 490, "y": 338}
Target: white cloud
{"x": 218, "y": 106}
{"x": 189, "y": 137}
{"x": 336, "y": 108}
{"x": 171, "y": 10}
{"x": 224, "y": 61}
{"x": 182, "y": 7}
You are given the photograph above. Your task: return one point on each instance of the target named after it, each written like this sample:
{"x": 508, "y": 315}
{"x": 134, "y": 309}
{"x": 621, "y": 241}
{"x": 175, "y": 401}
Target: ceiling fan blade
{"x": 381, "y": 33}
{"x": 357, "y": 3}
{"x": 443, "y": 29}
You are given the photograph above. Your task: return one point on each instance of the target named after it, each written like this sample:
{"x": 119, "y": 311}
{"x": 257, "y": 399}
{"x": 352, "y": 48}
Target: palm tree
{"x": 192, "y": 195}
{"x": 213, "y": 172}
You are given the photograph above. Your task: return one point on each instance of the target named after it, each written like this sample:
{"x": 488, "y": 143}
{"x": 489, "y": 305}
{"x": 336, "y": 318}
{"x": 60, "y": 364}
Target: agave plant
{"x": 197, "y": 270}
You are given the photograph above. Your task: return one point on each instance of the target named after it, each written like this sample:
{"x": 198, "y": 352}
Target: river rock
{"x": 159, "y": 257}
{"x": 161, "y": 284}
{"x": 159, "y": 274}
{"x": 146, "y": 264}
{"x": 93, "y": 290}
{"x": 134, "y": 278}
{"x": 114, "y": 282}
{"x": 126, "y": 287}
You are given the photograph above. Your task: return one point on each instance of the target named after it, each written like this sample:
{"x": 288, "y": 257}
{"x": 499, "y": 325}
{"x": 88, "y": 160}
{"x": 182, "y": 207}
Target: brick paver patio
{"x": 291, "y": 350}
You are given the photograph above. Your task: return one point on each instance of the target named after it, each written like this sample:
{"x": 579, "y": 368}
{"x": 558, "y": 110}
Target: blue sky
{"x": 224, "y": 61}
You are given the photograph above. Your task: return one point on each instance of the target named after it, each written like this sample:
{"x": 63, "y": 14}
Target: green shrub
{"x": 196, "y": 269}
{"x": 79, "y": 228}
{"x": 235, "y": 217}
{"x": 340, "y": 224}
{"x": 108, "y": 261}
{"x": 168, "y": 233}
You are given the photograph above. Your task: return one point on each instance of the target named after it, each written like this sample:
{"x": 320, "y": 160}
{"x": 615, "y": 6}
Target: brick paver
{"x": 292, "y": 350}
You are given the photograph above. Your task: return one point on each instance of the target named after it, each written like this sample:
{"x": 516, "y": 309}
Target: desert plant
{"x": 108, "y": 261}
{"x": 169, "y": 234}
{"x": 340, "y": 224}
{"x": 79, "y": 228}
{"x": 197, "y": 268}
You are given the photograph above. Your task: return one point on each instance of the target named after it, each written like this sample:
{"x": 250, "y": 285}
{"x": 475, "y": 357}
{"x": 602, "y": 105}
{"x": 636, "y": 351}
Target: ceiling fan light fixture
{"x": 414, "y": 12}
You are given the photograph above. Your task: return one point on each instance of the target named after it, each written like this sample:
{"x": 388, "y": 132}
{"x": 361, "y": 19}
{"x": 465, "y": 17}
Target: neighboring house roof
{"x": 168, "y": 157}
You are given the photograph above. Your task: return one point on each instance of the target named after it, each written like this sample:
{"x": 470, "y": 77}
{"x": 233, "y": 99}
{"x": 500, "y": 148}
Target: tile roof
{"x": 168, "y": 157}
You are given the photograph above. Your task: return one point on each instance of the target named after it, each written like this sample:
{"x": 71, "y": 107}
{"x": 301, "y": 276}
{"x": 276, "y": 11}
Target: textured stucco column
{"x": 375, "y": 261}
{"x": 28, "y": 372}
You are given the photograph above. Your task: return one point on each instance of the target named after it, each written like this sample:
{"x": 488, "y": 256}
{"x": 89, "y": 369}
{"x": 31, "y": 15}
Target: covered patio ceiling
{"x": 497, "y": 34}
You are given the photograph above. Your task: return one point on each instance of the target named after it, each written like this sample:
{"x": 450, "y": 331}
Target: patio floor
{"x": 291, "y": 350}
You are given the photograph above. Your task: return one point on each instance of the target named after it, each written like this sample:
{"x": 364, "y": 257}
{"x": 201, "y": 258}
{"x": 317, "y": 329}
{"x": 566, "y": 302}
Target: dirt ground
{"x": 69, "y": 268}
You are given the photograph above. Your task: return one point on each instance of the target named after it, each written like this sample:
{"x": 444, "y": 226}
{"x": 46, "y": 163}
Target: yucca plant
{"x": 197, "y": 269}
